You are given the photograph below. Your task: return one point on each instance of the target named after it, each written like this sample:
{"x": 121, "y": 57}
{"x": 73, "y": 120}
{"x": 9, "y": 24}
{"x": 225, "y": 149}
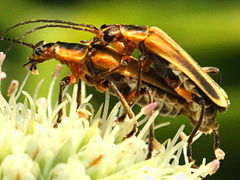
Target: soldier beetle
{"x": 174, "y": 67}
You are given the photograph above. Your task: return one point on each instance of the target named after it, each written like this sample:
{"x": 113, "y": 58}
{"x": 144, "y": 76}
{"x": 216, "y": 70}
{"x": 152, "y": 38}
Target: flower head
{"x": 86, "y": 144}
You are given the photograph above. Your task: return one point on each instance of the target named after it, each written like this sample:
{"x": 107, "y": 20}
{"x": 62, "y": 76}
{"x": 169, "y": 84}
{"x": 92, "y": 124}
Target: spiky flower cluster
{"x": 86, "y": 145}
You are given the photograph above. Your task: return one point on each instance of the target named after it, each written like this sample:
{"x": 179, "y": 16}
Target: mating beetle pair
{"x": 175, "y": 72}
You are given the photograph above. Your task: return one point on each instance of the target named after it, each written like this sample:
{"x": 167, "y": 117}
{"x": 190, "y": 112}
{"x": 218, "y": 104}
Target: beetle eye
{"x": 38, "y": 51}
{"x": 108, "y": 37}
{"x": 104, "y": 26}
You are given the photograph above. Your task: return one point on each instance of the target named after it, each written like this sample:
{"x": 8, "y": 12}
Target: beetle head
{"x": 109, "y": 33}
{"x": 41, "y": 53}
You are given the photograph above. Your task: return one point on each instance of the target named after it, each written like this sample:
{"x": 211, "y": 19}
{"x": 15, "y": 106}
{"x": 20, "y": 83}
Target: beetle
{"x": 173, "y": 65}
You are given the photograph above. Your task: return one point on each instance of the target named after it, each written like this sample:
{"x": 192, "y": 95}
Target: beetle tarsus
{"x": 216, "y": 140}
{"x": 151, "y": 128}
{"x": 132, "y": 132}
{"x": 151, "y": 139}
{"x": 79, "y": 94}
{"x": 64, "y": 82}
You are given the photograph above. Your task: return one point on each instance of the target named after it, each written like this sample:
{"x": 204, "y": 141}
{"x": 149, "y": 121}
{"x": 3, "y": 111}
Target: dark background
{"x": 208, "y": 30}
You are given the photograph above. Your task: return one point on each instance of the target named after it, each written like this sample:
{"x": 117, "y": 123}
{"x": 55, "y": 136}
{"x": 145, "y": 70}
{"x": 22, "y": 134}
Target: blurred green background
{"x": 208, "y": 30}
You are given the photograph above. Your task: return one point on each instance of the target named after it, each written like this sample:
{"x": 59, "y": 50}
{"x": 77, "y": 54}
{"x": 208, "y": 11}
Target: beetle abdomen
{"x": 168, "y": 104}
{"x": 209, "y": 117}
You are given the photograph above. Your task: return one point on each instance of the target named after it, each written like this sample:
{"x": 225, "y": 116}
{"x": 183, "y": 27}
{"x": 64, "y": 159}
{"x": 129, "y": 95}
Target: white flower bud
{"x": 3, "y": 75}
{"x": 19, "y": 167}
{"x": 57, "y": 71}
{"x": 220, "y": 154}
{"x": 2, "y": 58}
{"x": 149, "y": 108}
{"x": 12, "y": 87}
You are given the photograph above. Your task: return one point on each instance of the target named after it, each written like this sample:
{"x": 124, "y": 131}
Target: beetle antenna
{"x": 50, "y": 21}
{"x": 58, "y": 26}
{"x": 17, "y": 41}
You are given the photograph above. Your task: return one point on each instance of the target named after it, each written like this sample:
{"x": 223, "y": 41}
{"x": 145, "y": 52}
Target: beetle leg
{"x": 214, "y": 71}
{"x": 151, "y": 128}
{"x": 130, "y": 100}
{"x": 89, "y": 64}
{"x": 79, "y": 94}
{"x": 63, "y": 83}
{"x": 189, "y": 96}
{"x": 85, "y": 42}
{"x": 216, "y": 139}
{"x": 184, "y": 93}
{"x": 123, "y": 63}
{"x": 122, "y": 99}
{"x": 192, "y": 134}
{"x": 151, "y": 139}
{"x": 132, "y": 132}
{"x": 139, "y": 77}
{"x": 133, "y": 96}
{"x": 108, "y": 72}
{"x": 127, "y": 108}
{"x": 211, "y": 70}
{"x": 144, "y": 64}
